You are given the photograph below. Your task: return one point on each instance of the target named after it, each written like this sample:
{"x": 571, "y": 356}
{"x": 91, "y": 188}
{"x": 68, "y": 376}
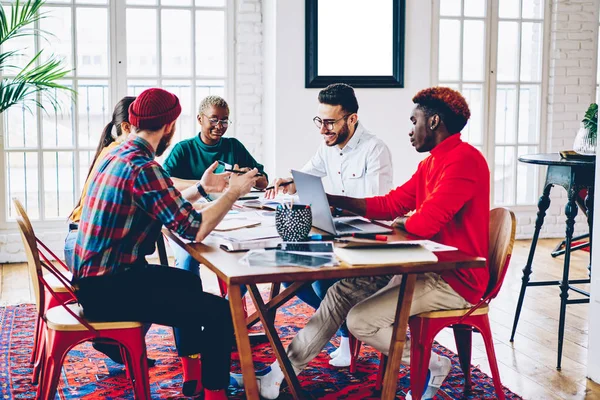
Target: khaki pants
{"x": 369, "y": 305}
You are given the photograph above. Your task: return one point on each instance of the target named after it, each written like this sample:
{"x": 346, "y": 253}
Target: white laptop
{"x": 310, "y": 191}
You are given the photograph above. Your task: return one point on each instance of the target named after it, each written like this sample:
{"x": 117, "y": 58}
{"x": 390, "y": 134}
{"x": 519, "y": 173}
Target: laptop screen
{"x": 310, "y": 191}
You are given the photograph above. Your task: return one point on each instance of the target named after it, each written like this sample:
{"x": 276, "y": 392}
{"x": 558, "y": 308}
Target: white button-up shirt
{"x": 363, "y": 168}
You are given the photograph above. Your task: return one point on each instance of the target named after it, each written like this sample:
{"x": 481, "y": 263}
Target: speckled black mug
{"x": 293, "y": 223}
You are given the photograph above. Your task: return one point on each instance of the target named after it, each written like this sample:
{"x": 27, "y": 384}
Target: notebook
{"x": 385, "y": 256}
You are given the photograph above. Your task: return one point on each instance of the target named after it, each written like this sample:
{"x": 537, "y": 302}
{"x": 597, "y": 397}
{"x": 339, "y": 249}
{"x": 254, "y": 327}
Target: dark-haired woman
{"x": 110, "y": 139}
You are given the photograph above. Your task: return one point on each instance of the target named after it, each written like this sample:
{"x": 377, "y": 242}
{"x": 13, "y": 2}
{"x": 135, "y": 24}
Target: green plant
{"x": 590, "y": 120}
{"x": 39, "y": 79}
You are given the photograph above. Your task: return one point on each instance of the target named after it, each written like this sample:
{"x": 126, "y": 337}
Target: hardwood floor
{"x": 527, "y": 366}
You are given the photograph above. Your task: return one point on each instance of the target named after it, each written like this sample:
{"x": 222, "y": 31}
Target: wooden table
{"x": 573, "y": 175}
{"x": 228, "y": 268}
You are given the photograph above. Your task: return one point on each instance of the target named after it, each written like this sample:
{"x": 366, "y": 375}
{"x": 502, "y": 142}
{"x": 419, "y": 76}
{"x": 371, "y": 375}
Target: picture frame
{"x": 366, "y": 66}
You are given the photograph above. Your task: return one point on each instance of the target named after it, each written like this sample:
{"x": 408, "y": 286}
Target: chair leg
{"x": 135, "y": 349}
{"x": 486, "y": 332}
{"x": 463, "y": 337}
{"x": 36, "y": 340}
{"x": 39, "y": 356}
{"x": 380, "y": 374}
{"x": 54, "y": 355}
{"x": 355, "y": 345}
{"x": 420, "y": 354}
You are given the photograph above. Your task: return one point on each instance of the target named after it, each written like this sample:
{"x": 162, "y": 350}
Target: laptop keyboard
{"x": 341, "y": 227}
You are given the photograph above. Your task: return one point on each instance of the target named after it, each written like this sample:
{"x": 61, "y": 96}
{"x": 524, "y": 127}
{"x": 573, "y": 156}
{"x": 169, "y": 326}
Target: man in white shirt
{"x": 353, "y": 162}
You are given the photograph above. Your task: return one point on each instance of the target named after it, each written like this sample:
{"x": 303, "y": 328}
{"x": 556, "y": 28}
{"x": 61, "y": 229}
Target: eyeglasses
{"x": 329, "y": 124}
{"x": 215, "y": 121}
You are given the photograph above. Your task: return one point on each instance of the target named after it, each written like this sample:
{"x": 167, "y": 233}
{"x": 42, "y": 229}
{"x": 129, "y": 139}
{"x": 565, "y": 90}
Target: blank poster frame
{"x": 314, "y": 80}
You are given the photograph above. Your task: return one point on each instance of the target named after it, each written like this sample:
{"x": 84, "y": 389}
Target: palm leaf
{"x": 590, "y": 120}
{"x": 22, "y": 20}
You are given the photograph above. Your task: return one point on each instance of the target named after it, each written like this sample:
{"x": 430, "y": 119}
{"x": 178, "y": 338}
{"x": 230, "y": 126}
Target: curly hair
{"x": 339, "y": 94}
{"x": 212, "y": 101}
{"x": 449, "y": 104}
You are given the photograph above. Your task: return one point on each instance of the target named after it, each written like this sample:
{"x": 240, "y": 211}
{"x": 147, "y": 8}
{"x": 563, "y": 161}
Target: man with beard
{"x": 190, "y": 158}
{"x": 128, "y": 201}
{"x": 450, "y": 196}
{"x": 353, "y": 162}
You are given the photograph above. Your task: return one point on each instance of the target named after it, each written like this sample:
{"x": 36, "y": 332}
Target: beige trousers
{"x": 369, "y": 305}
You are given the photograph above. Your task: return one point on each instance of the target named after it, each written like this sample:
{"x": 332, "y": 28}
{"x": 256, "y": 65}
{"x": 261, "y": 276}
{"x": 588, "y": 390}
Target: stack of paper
{"x": 385, "y": 256}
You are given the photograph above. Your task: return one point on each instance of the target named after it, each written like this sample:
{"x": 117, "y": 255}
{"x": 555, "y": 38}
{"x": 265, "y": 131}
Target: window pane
{"x": 92, "y": 42}
{"x": 85, "y": 160}
{"x": 176, "y": 2}
{"x": 94, "y": 112}
{"x": 135, "y": 87}
{"x": 527, "y": 178}
{"x": 186, "y": 123}
{"x": 449, "y": 51}
{"x": 141, "y": 42}
{"x": 22, "y": 174}
{"x": 475, "y": 8}
{"x": 473, "y": 50}
{"x": 473, "y": 132}
{"x": 24, "y": 46}
{"x": 450, "y": 8}
{"x": 92, "y": 1}
{"x": 529, "y": 114}
{"x": 506, "y": 113}
{"x": 533, "y": 9}
{"x": 59, "y": 43}
{"x": 141, "y": 2}
{"x": 176, "y": 43}
{"x": 509, "y": 8}
{"x": 206, "y": 88}
{"x": 504, "y": 179}
{"x": 58, "y": 183}
{"x": 58, "y": 127}
{"x": 210, "y": 3}
{"x": 531, "y": 51}
{"x": 20, "y": 126}
{"x": 508, "y": 42}
{"x": 455, "y": 86}
{"x": 210, "y": 43}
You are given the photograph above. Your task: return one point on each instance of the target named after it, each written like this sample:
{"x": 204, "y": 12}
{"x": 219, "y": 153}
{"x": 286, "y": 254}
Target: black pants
{"x": 166, "y": 296}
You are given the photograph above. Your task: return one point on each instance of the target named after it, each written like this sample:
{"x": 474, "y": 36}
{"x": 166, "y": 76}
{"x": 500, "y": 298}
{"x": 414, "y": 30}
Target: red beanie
{"x": 153, "y": 109}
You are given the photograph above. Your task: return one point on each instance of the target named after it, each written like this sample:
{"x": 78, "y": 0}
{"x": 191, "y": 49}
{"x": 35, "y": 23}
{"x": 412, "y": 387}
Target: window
{"x": 492, "y": 51}
{"x": 180, "y": 45}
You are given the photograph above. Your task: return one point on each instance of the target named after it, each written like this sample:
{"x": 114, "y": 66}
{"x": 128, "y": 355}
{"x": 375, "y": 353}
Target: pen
{"x": 235, "y": 171}
{"x": 371, "y": 236}
{"x": 280, "y": 185}
{"x": 321, "y": 237}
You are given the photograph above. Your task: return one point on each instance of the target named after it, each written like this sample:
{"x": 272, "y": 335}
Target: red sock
{"x": 192, "y": 376}
{"x": 215, "y": 394}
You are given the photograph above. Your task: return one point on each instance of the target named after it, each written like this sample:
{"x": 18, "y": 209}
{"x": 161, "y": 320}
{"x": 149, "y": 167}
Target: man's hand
{"x": 214, "y": 183}
{"x": 241, "y": 184}
{"x": 290, "y": 188}
{"x": 400, "y": 223}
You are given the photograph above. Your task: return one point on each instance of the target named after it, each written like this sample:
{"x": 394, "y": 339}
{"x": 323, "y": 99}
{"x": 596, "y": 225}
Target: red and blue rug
{"x": 87, "y": 374}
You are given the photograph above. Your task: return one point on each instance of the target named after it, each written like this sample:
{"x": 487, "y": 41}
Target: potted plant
{"x": 585, "y": 141}
{"x": 40, "y": 78}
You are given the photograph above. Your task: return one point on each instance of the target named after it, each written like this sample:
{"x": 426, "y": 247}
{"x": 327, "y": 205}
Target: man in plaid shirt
{"x": 129, "y": 200}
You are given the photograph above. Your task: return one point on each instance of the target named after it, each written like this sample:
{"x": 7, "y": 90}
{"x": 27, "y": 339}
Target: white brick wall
{"x": 572, "y": 73}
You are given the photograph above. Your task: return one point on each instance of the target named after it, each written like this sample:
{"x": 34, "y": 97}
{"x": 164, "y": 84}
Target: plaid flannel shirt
{"x": 128, "y": 201}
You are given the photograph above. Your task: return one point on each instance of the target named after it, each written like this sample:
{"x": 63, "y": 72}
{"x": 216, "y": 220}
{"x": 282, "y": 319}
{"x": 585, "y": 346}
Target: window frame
{"x": 117, "y": 88}
{"x": 491, "y": 25}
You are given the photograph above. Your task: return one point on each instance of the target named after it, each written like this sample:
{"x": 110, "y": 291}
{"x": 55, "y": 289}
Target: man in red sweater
{"x": 449, "y": 195}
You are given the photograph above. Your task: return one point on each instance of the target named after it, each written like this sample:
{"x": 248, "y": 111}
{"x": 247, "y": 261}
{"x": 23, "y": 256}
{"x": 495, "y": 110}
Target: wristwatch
{"x": 201, "y": 190}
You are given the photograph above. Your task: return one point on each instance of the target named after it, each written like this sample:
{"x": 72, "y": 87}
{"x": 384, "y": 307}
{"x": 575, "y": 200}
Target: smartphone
{"x": 308, "y": 247}
{"x": 229, "y": 168}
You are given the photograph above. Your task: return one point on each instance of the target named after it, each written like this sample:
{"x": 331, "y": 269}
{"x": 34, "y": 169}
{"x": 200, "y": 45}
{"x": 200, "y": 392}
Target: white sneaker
{"x": 439, "y": 368}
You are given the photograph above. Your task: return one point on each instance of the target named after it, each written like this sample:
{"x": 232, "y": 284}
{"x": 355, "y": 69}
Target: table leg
{"x": 571, "y": 213}
{"x": 243, "y": 342}
{"x": 277, "y": 300}
{"x": 390, "y": 379}
{"x": 269, "y": 326}
{"x": 543, "y": 204}
{"x": 589, "y": 206}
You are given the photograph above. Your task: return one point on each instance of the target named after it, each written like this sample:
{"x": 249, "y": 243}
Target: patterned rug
{"x": 87, "y": 374}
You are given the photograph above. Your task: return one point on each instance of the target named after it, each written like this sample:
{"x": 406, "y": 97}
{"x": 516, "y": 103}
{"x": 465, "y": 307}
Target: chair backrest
{"x": 503, "y": 226}
{"x": 33, "y": 261}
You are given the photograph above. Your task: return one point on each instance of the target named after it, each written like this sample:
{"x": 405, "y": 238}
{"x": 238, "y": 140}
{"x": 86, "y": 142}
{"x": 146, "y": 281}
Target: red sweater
{"x": 450, "y": 193}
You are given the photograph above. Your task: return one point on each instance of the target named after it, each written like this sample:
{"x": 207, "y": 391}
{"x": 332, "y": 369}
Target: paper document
{"x": 385, "y": 256}
{"x": 231, "y": 224}
{"x": 247, "y": 234}
{"x": 433, "y": 246}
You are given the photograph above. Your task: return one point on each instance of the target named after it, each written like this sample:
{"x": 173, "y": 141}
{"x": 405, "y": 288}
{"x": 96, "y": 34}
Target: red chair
{"x": 425, "y": 326}
{"x": 65, "y": 326}
{"x": 58, "y": 283}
